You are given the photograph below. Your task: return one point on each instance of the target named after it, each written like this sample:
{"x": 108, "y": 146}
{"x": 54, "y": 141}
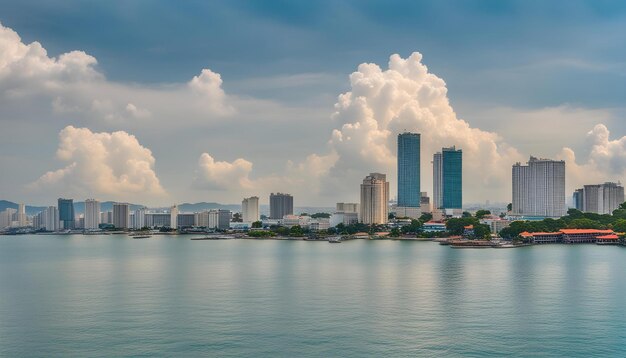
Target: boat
{"x": 334, "y": 239}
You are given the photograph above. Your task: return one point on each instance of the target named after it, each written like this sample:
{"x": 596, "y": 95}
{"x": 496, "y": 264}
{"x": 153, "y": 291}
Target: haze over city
{"x": 216, "y": 102}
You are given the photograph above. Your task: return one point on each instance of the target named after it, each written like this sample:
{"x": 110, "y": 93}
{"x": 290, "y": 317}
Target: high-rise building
{"x": 6, "y": 217}
{"x": 22, "y": 219}
{"x": 409, "y": 170}
{"x": 174, "y": 217}
{"x": 47, "y": 220}
{"x": 280, "y": 205}
{"x": 578, "y": 199}
{"x": 92, "y": 214}
{"x": 425, "y": 203}
{"x": 539, "y": 188}
{"x": 139, "y": 219}
{"x": 66, "y": 213}
{"x": 347, "y": 208}
{"x": 437, "y": 181}
{"x": 250, "y": 209}
{"x": 121, "y": 215}
{"x": 374, "y": 199}
{"x": 600, "y": 198}
{"x": 219, "y": 219}
{"x": 448, "y": 179}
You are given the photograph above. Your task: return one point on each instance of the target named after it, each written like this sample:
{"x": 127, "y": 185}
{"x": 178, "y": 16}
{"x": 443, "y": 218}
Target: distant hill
{"x": 30, "y": 210}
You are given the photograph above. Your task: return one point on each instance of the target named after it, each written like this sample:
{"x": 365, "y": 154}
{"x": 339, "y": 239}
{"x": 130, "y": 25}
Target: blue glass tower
{"x": 66, "y": 213}
{"x": 409, "y": 170}
{"x": 452, "y": 178}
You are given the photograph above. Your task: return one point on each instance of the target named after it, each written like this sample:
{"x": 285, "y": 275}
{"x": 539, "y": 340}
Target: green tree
{"x": 296, "y": 230}
{"x": 391, "y": 216}
{"x": 320, "y": 216}
{"x": 466, "y": 214}
{"x": 482, "y": 232}
{"x": 257, "y": 225}
{"x": 509, "y": 207}
{"x": 237, "y": 218}
{"x": 620, "y": 225}
{"x": 456, "y": 226}
{"x": 395, "y": 232}
{"x": 426, "y": 217}
{"x": 482, "y": 213}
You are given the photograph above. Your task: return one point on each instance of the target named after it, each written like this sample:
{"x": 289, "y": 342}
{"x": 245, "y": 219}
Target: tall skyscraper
{"x": 437, "y": 181}
{"x": 92, "y": 214}
{"x": 139, "y": 219}
{"x": 22, "y": 220}
{"x": 409, "y": 170}
{"x": 599, "y": 198}
{"x": 174, "y": 217}
{"x": 250, "y": 209}
{"x": 448, "y": 179}
{"x": 121, "y": 215}
{"x": 374, "y": 199}
{"x": 66, "y": 213}
{"x": 280, "y": 205}
{"x": 539, "y": 188}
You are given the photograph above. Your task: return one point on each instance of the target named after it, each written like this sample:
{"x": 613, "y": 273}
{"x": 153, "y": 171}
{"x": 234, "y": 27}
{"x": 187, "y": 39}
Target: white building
{"x": 92, "y": 214}
{"x": 219, "y": 219}
{"x": 374, "y": 199}
{"x": 602, "y": 198}
{"x": 139, "y": 218}
{"x": 347, "y": 208}
{"x": 174, "y": 217}
{"x": 250, "y": 209}
{"x": 121, "y": 215}
{"x": 539, "y": 188}
{"x": 6, "y": 217}
{"x": 22, "y": 219}
{"x": 343, "y": 218}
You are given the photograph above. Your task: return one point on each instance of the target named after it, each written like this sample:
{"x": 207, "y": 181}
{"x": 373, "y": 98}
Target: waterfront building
{"x": 66, "y": 213}
{"x": 346, "y": 218}
{"x": 408, "y": 212}
{"x": 448, "y": 179}
{"x": 250, "y": 209}
{"x": 185, "y": 220}
{"x": 121, "y": 215}
{"x": 374, "y": 199}
{"x": 22, "y": 219}
{"x": 599, "y": 198}
{"x": 570, "y": 236}
{"x": 139, "y": 218}
{"x": 539, "y": 188}
{"x": 434, "y": 226}
{"x": 202, "y": 219}
{"x": 347, "y": 208}
{"x": 409, "y": 170}
{"x": 6, "y": 217}
{"x": 174, "y": 217}
{"x": 496, "y": 224}
{"x": 92, "y": 214}
{"x": 158, "y": 220}
{"x": 106, "y": 217}
{"x": 280, "y": 205}
{"x": 47, "y": 220}
{"x": 219, "y": 219}
{"x": 319, "y": 224}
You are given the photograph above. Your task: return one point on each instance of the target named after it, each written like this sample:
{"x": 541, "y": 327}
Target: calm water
{"x": 109, "y": 296}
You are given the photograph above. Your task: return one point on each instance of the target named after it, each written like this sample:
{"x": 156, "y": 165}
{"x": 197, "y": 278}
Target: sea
{"x": 169, "y": 296}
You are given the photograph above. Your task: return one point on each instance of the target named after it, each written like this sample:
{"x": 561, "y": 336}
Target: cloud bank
{"x": 108, "y": 165}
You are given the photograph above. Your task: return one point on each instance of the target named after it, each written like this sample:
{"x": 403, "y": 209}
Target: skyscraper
{"x": 121, "y": 215}
{"x": 92, "y": 214}
{"x": 539, "y": 188}
{"x": 409, "y": 170}
{"x": 374, "y": 199}
{"x": 599, "y": 198}
{"x": 174, "y": 217}
{"x": 250, "y": 209}
{"x": 22, "y": 220}
{"x": 448, "y": 179}
{"x": 280, "y": 205}
{"x": 66, "y": 213}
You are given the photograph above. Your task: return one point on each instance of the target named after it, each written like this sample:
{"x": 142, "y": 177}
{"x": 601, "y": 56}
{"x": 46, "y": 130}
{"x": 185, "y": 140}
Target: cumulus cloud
{"x": 407, "y": 97}
{"x": 222, "y": 175}
{"x": 72, "y": 84}
{"x": 110, "y": 165}
{"x": 606, "y": 159}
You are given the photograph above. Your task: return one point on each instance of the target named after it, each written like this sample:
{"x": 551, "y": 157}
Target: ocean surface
{"x": 107, "y": 296}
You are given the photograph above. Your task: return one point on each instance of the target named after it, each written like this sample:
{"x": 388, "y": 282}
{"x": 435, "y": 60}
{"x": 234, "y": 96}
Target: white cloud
{"x": 606, "y": 159}
{"x": 109, "y": 165}
{"x": 222, "y": 175}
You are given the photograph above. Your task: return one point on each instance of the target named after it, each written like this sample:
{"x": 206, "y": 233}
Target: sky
{"x": 162, "y": 102}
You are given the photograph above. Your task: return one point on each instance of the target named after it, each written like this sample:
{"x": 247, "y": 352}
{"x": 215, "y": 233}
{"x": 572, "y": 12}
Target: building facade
{"x": 539, "y": 188}
{"x": 219, "y": 219}
{"x": 66, "y": 213}
{"x": 600, "y": 198}
{"x": 374, "y": 199}
{"x": 409, "y": 170}
{"x": 437, "y": 180}
{"x": 92, "y": 214}
{"x": 174, "y": 217}
{"x": 121, "y": 215}
{"x": 250, "y": 209}
{"x": 280, "y": 205}
{"x": 448, "y": 179}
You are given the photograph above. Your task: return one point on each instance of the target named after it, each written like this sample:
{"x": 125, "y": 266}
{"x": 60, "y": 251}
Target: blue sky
{"x": 504, "y": 63}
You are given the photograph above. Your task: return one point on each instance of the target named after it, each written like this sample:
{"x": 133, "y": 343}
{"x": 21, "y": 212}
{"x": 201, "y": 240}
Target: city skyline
{"x": 204, "y": 130}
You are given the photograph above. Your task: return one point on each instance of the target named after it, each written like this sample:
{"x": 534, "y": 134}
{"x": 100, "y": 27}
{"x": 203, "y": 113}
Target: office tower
{"x": 539, "y": 188}
{"x": 50, "y": 219}
{"x": 219, "y": 219}
{"x": 578, "y": 199}
{"x": 121, "y": 215}
{"x": 448, "y": 179}
{"x": 250, "y": 209}
{"x": 66, "y": 213}
{"x": 174, "y": 217}
{"x": 374, "y": 199}
{"x": 600, "y": 198}
{"x": 409, "y": 170}
{"x": 280, "y": 205}
{"x": 92, "y": 214}
{"x": 6, "y": 217}
{"x": 139, "y": 219}
{"x": 347, "y": 208}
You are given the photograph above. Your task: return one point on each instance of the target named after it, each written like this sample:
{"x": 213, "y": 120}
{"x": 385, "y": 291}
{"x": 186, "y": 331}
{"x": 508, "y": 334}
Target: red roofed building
{"x": 571, "y": 236}
{"x": 583, "y": 236}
